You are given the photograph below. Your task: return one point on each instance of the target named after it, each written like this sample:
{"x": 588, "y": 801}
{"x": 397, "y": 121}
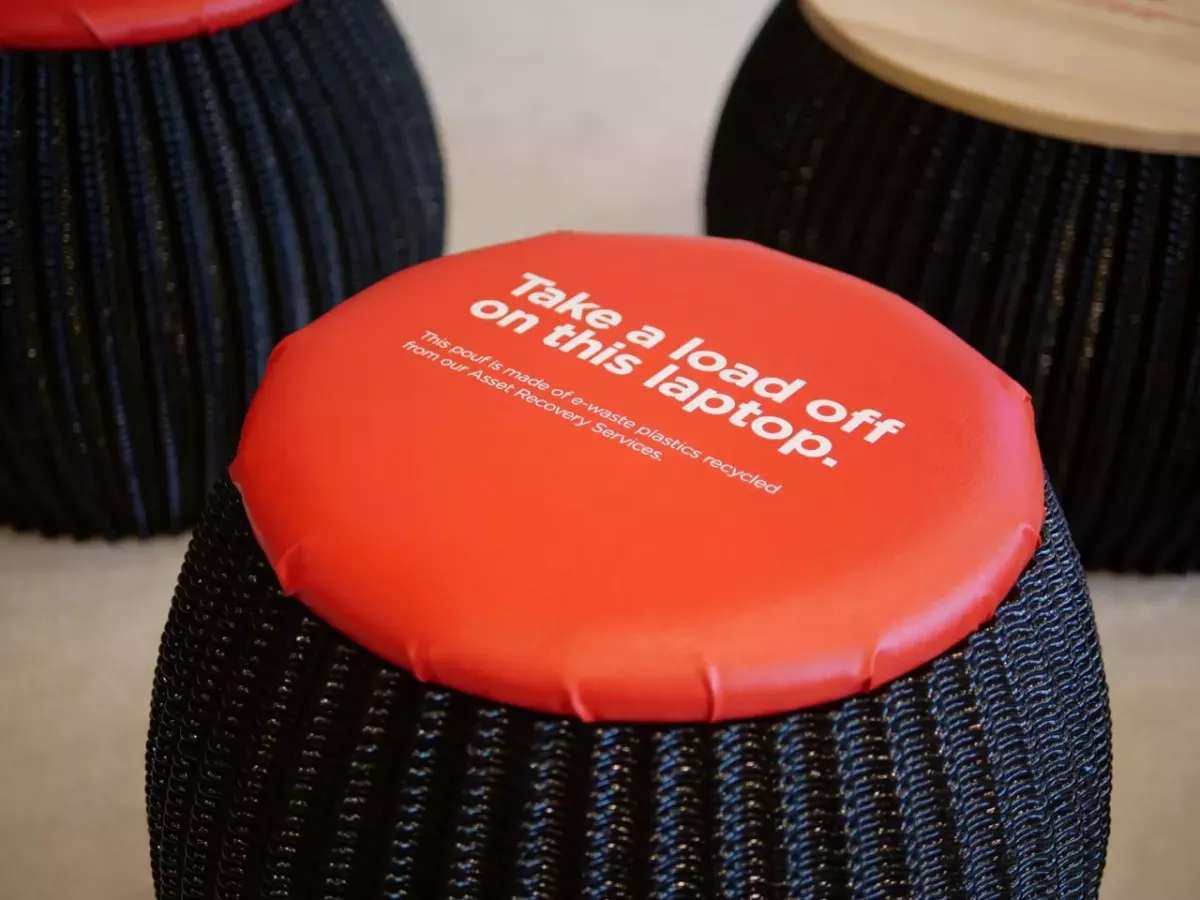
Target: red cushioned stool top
{"x": 641, "y": 478}
{"x": 105, "y": 24}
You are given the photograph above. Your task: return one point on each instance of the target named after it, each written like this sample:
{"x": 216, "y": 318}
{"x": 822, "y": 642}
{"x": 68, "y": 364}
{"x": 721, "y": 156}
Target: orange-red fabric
{"x": 105, "y": 24}
{"x": 532, "y": 549}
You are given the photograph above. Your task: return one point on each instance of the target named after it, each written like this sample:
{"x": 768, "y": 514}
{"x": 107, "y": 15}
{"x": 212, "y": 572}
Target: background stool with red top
{"x": 181, "y": 184}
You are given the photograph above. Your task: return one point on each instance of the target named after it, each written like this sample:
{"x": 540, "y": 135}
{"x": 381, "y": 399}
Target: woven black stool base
{"x": 167, "y": 214}
{"x": 286, "y": 762}
{"x": 1072, "y": 267}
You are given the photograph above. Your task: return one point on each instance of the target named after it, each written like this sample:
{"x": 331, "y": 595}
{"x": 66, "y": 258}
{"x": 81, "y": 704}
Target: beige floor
{"x": 555, "y": 113}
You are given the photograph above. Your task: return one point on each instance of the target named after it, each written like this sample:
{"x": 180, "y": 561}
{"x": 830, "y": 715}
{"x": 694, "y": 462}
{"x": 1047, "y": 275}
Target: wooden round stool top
{"x": 1122, "y": 73}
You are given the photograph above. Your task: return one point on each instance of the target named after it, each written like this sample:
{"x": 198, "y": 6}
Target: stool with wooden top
{"x": 1027, "y": 172}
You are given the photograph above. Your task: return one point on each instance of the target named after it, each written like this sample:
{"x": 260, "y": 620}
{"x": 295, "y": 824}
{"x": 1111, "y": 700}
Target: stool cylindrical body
{"x": 1071, "y": 264}
{"x": 179, "y": 188}
{"x": 436, "y": 721}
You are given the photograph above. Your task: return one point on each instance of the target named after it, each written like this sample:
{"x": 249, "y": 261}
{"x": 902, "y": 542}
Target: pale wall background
{"x": 554, "y": 113}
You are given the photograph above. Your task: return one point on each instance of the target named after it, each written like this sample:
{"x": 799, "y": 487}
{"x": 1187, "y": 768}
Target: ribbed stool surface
{"x": 285, "y": 761}
{"x": 1072, "y": 267}
{"x": 167, "y": 213}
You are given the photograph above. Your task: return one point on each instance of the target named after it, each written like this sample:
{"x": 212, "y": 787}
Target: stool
{"x": 616, "y": 566}
{"x": 1027, "y": 173}
{"x": 181, "y": 184}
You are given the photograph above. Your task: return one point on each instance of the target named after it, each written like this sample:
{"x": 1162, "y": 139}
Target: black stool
{"x": 1055, "y": 231}
{"x": 180, "y": 186}
{"x": 287, "y": 759}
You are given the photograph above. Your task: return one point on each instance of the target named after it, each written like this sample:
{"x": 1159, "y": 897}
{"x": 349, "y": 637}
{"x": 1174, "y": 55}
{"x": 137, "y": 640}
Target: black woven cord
{"x": 810, "y": 830}
{"x": 415, "y": 845}
{"x": 744, "y": 807}
{"x": 548, "y": 836}
{"x": 682, "y": 813}
{"x": 877, "y": 863}
{"x": 285, "y": 761}
{"x": 167, "y": 214}
{"x": 973, "y": 798}
{"x": 1073, "y": 267}
{"x": 931, "y": 846}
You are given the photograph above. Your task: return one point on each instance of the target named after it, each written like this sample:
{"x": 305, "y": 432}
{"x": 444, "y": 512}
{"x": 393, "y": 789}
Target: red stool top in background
{"x": 106, "y": 24}
{"x": 641, "y": 478}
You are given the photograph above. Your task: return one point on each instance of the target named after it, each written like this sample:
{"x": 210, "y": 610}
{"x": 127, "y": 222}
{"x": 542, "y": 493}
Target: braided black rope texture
{"x": 167, "y": 214}
{"x": 285, "y": 761}
{"x": 1072, "y": 267}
